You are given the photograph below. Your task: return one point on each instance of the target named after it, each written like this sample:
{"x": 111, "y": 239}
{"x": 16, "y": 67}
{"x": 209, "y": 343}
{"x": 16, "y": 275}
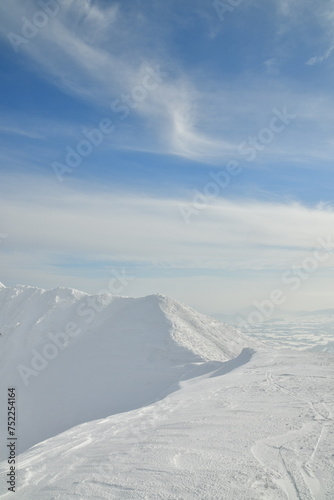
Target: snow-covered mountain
{"x": 145, "y": 399}
{"x": 74, "y": 358}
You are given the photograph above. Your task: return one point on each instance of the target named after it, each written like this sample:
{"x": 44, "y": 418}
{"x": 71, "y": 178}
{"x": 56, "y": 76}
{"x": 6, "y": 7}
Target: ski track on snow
{"x": 290, "y": 474}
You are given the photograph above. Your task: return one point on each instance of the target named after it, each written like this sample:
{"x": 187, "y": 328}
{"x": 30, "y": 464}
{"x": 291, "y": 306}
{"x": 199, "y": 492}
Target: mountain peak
{"x": 101, "y": 357}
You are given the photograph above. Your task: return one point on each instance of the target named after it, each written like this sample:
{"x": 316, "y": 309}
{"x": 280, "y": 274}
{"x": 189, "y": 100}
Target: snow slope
{"x": 262, "y": 431}
{"x": 185, "y": 408}
{"x": 74, "y": 358}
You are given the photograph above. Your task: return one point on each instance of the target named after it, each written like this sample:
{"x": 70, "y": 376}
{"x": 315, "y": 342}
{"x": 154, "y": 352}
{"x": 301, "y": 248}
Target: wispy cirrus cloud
{"x": 325, "y": 16}
{"x": 99, "y": 53}
{"x": 98, "y": 66}
{"x": 101, "y": 65}
{"x": 320, "y": 59}
{"x": 20, "y": 131}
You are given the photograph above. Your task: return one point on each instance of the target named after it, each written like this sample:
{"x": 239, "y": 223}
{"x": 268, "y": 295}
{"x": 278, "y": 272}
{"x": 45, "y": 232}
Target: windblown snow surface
{"x": 125, "y": 398}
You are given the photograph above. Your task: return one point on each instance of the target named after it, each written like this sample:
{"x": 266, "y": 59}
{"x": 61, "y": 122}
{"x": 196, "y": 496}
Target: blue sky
{"x": 117, "y": 119}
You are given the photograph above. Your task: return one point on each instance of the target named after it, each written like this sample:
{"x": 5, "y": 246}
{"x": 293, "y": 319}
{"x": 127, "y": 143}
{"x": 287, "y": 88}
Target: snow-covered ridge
{"x": 75, "y": 357}
{"x": 245, "y": 423}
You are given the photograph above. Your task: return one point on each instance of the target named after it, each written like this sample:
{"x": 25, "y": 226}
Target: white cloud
{"x": 58, "y": 236}
{"x": 100, "y": 68}
{"x": 325, "y": 17}
{"x": 189, "y": 114}
{"x": 320, "y": 59}
{"x": 121, "y": 226}
{"x": 19, "y": 131}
